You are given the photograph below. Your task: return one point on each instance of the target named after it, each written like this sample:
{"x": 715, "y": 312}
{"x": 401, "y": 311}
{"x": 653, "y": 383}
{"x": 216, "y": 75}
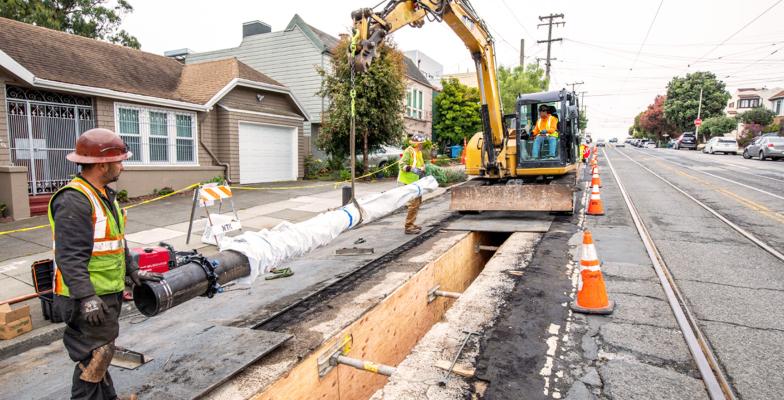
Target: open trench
{"x": 378, "y": 319}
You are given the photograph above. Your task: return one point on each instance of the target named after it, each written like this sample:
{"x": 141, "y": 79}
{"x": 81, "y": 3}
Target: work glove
{"x": 93, "y": 309}
{"x": 417, "y": 171}
{"x": 138, "y": 276}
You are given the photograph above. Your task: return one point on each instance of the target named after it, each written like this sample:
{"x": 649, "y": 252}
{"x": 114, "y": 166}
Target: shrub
{"x": 344, "y": 174}
{"x": 122, "y": 196}
{"x": 443, "y": 161}
{"x": 445, "y": 176}
{"x": 163, "y": 192}
{"x": 215, "y": 179}
{"x": 3, "y": 210}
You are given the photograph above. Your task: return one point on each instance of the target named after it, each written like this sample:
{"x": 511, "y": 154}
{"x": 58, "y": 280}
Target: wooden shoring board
{"x": 388, "y": 331}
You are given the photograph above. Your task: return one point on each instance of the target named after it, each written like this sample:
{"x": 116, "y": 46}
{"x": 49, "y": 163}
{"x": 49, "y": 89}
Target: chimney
{"x": 255, "y": 28}
{"x": 178, "y": 54}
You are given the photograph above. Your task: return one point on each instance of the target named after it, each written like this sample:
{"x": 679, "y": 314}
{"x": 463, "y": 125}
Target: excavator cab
{"x": 536, "y": 155}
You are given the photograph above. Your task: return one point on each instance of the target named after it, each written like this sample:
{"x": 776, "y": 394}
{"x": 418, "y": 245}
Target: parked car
{"x": 721, "y": 145}
{"x": 614, "y": 140}
{"x": 649, "y": 144}
{"x": 765, "y": 147}
{"x": 382, "y": 157}
{"x": 688, "y": 140}
{"x": 600, "y": 143}
{"x": 620, "y": 144}
{"x": 671, "y": 144}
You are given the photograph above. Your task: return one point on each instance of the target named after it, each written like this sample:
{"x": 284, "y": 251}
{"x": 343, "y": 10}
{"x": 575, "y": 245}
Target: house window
{"x": 414, "y": 104}
{"x": 157, "y": 136}
{"x": 749, "y": 103}
{"x": 777, "y": 106}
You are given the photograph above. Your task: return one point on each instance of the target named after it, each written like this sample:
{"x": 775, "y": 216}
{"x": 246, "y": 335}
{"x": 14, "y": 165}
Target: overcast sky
{"x": 604, "y": 44}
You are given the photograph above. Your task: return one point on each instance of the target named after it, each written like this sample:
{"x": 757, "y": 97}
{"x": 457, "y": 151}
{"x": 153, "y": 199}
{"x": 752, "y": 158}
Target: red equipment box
{"x": 154, "y": 259}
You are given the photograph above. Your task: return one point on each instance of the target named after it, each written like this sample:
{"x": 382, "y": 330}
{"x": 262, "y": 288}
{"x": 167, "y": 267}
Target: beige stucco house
{"x": 184, "y": 123}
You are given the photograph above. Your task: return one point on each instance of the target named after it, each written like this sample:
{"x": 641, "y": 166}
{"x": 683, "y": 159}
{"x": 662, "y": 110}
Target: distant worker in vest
{"x": 90, "y": 253}
{"x": 410, "y": 170}
{"x": 546, "y": 128}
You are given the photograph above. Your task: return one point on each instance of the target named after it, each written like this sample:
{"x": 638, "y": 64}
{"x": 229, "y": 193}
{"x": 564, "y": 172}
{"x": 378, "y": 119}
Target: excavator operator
{"x": 546, "y": 128}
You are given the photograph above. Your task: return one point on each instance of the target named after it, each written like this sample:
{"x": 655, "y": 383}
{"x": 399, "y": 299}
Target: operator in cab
{"x": 546, "y": 128}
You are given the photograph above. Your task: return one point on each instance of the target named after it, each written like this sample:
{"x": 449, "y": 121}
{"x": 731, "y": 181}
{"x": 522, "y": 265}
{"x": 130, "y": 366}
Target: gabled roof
{"x": 778, "y": 95}
{"x": 320, "y": 39}
{"x": 413, "y": 73}
{"x": 51, "y": 59}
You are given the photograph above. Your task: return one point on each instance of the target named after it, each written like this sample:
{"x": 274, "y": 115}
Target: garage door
{"x": 267, "y": 153}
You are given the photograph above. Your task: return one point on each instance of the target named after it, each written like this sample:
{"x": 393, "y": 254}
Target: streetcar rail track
{"x": 716, "y": 383}
{"x": 718, "y": 177}
{"x": 750, "y": 236}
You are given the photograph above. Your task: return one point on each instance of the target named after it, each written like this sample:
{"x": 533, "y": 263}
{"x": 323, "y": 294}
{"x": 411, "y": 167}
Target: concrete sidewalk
{"x": 167, "y": 220}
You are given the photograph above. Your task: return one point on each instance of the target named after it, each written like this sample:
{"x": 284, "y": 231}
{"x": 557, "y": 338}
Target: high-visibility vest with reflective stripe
{"x": 551, "y": 125}
{"x": 417, "y": 161}
{"x": 107, "y": 263}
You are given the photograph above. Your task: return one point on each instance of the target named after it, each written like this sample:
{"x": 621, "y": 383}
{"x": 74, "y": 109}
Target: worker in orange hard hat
{"x": 90, "y": 253}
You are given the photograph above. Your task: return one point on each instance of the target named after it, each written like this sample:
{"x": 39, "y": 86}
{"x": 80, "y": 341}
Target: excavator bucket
{"x": 481, "y": 195}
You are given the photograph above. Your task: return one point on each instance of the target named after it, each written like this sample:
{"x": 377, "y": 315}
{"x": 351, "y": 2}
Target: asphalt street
{"x": 733, "y": 286}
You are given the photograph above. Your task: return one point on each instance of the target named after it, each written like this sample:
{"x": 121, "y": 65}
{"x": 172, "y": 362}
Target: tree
{"x": 88, "y": 18}
{"x": 379, "y": 102}
{"x": 653, "y": 122}
{"x": 458, "y": 116}
{"x": 636, "y": 130}
{"x": 718, "y": 126}
{"x": 516, "y": 81}
{"x": 759, "y": 115}
{"x": 683, "y": 99}
{"x": 583, "y": 121}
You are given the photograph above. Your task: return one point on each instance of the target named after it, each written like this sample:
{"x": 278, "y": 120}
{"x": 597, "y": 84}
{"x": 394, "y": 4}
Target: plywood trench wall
{"x": 388, "y": 331}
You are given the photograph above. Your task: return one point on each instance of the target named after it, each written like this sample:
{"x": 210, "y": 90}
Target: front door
{"x": 43, "y": 128}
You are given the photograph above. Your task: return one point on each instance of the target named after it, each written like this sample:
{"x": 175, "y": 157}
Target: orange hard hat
{"x": 99, "y": 145}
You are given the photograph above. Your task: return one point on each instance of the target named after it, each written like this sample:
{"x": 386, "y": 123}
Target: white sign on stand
{"x": 218, "y": 225}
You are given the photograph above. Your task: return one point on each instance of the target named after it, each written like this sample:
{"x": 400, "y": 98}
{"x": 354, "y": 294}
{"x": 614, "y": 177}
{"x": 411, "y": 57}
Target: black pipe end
{"x": 145, "y": 300}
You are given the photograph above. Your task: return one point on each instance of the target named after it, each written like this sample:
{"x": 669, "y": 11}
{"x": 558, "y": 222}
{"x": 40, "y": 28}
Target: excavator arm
{"x": 370, "y": 29}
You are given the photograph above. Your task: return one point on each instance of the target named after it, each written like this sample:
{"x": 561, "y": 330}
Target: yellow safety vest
{"x": 107, "y": 263}
{"x": 551, "y": 125}
{"x": 416, "y": 160}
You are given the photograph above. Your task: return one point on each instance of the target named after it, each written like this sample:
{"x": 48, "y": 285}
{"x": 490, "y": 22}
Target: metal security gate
{"x": 43, "y": 128}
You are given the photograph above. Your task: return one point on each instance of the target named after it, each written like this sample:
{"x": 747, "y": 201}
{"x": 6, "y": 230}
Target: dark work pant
{"x": 80, "y": 339}
{"x": 82, "y": 390}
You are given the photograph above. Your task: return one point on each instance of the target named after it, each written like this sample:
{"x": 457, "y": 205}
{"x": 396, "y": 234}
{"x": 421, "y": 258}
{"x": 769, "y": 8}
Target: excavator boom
{"x": 512, "y": 174}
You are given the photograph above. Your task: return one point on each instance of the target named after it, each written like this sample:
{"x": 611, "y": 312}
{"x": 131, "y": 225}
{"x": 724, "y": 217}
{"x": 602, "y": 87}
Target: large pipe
{"x": 188, "y": 281}
{"x": 251, "y": 253}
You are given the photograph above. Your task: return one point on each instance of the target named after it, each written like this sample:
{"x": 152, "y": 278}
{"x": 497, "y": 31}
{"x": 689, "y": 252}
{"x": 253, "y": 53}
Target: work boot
{"x": 131, "y": 396}
{"x": 413, "y": 230}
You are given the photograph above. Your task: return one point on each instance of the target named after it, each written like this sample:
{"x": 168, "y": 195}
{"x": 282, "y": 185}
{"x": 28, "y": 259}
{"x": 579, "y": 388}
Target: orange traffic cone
{"x": 591, "y": 291}
{"x": 595, "y": 206}
{"x": 595, "y": 180}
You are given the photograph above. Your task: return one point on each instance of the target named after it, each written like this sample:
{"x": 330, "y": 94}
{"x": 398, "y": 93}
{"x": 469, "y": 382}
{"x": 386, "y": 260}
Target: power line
{"x": 636, "y": 56}
{"x": 736, "y": 32}
{"x": 514, "y": 15}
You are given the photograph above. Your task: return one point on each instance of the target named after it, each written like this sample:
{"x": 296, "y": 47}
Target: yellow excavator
{"x": 510, "y": 174}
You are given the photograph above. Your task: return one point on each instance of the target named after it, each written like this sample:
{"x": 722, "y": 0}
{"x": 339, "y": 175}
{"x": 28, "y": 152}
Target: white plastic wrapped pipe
{"x": 269, "y": 248}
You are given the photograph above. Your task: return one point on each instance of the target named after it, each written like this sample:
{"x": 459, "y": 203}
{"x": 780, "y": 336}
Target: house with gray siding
{"x": 289, "y": 56}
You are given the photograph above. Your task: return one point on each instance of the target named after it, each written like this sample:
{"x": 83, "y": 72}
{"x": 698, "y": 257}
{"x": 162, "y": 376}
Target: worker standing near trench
{"x": 411, "y": 168}
{"x": 90, "y": 252}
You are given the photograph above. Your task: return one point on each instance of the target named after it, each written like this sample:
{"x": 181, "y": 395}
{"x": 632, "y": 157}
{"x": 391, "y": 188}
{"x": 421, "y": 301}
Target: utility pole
{"x": 697, "y": 127}
{"x": 550, "y": 22}
{"x": 573, "y": 84}
{"x": 522, "y": 53}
